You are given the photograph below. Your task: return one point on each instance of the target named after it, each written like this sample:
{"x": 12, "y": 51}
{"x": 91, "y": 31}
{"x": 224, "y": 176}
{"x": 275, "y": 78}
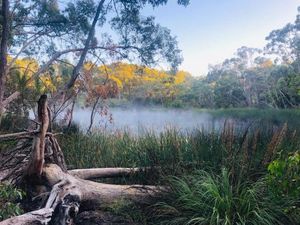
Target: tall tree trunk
{"x": 3, "y": 53}
{"x": 61, "y": 96}
{"x": 87, "y": 44}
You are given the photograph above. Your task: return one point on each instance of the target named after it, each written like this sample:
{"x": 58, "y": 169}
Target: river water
{"x": 138, "y": 120}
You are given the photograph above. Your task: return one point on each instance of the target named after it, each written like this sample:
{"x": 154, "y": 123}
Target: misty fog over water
{"x": 137, "y": 120}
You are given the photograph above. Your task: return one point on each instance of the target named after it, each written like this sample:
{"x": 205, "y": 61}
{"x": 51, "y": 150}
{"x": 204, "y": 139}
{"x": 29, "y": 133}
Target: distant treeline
{"x": 234, "y": 83}
{"x": 264, "y": 78}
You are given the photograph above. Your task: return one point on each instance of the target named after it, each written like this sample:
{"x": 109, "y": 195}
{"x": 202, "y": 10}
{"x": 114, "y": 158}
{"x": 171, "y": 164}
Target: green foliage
{"x": 284, "y": 176}
{"x": 229, "y": 93}
{"x": 9, "y": 197}
{"x": 205, "y": 198}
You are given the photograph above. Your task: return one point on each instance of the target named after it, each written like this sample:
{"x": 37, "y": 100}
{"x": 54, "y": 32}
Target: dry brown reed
{"x": 274, "y": 144}
{"x": 227, "y": 136}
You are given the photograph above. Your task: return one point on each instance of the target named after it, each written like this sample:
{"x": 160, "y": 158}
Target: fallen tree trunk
{"x": 94, "y": 173}
{"x": 68, "y": 193}
{"x": 38, "y": 217}
{"x": 99, "y": 193}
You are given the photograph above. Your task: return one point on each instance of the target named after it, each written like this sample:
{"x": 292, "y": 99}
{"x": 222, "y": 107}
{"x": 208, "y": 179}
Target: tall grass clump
{"x": 209, "y": 199}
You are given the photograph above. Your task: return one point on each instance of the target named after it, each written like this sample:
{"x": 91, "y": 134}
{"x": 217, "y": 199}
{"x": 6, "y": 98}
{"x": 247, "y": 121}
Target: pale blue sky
{"x": 208, "y": 31}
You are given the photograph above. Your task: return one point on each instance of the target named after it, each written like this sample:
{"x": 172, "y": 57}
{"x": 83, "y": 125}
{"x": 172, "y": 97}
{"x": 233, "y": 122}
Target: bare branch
{"x": 25, "y": 45}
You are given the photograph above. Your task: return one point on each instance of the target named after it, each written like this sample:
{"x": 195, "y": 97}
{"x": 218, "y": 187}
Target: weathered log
{"x": 103, "y": 194}
{"x": 69, "y": 192}
{"x": 99, "y": 193}
{"x": 94, "y": 173}
{"x": 65, "y": 199}
{"x": 38, "y": 217}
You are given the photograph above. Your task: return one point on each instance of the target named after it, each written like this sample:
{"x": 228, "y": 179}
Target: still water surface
{"x": 138, "y": 120}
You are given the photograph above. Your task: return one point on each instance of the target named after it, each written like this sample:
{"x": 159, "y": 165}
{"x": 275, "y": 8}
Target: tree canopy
{"x": 101, "y": 31}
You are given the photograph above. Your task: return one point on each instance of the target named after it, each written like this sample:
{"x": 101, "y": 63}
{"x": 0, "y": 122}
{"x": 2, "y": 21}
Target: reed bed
{"x": 245, "y": 151}
{"x": 217, "y": 177}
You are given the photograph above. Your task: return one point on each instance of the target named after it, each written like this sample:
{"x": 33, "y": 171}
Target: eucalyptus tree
{"x": 104, "y": 30}
{"x": 285, "y": 43}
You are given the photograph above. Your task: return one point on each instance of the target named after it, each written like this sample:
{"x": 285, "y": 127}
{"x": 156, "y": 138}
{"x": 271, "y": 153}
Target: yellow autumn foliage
{"x": 180, "y": 77}
{"x": 267, "y": 64}
{"x": 27, "y": 67}
{"x": 128, "y": 75}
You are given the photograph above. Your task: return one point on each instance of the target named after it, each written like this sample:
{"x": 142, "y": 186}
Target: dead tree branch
{"x": 38, "y": 147}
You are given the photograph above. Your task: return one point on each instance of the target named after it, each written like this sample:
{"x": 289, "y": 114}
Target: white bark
{"x": 95, "y": 173}
{"x": 100, "y": 193}
{"x": 38, "y": 217}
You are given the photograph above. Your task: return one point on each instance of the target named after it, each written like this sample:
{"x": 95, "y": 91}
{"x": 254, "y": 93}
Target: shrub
{"x": 9, "y": 197}
{"x": 284, "y": 181}
{"x": 284, "y": 176}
